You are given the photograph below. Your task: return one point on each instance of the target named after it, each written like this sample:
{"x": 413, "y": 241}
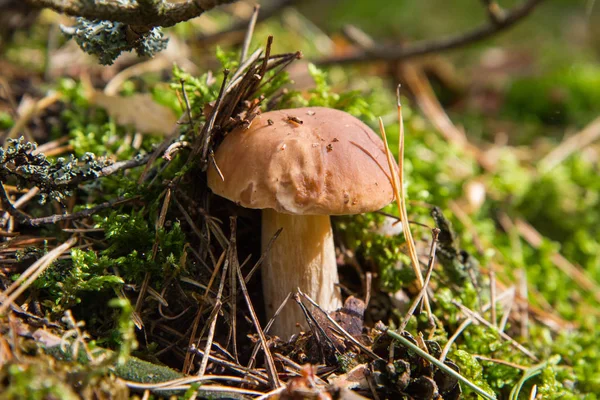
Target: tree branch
{"x": 395, "y": 53}
{"x": 144, "y": 13}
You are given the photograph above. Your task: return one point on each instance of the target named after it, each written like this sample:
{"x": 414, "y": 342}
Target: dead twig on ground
{"x": 570, "y": 145}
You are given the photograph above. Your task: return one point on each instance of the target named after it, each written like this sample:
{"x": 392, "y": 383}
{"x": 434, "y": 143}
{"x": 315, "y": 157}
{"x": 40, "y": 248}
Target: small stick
{"x": 263, "y": 255}
{"x": 493, "y": 297}
{"x": 17, "y": 204}
{"x": 454, "y": 336}
{"x": 187, "y": 105}
{"x": 503, "y": 362}
{"x": 569, "y": 146}
{"x": 272, "y": 394}
{"x": 313, "y": 323}
{"x": 270, "y": 363}
{"x": 9, "y": 207}
{"x": 341, "y": 330}
{"x": 249, "y": 32}
{"x": 504, "y": 319}
{"x": 213, "y": 318}
{"x": 32, "y": 111}
{"x": 211, "y": 156}
{"x": 206, "y": 131}
{"x": 266, "y": 330}
{"x": 189, "y": 357}
{"x": 233, "y": 271}
{"x": 524, "y": 312}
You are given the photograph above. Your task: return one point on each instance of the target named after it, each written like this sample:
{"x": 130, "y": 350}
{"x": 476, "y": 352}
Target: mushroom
{"x": 300, "y": 166}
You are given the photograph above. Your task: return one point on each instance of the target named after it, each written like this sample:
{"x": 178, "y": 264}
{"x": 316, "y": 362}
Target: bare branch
{"x": 142, "y": 13}
{"x": 395, "y": 53}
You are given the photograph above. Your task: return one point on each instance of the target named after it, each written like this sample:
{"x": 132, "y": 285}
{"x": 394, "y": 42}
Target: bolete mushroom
{"x": 300, "y": 166}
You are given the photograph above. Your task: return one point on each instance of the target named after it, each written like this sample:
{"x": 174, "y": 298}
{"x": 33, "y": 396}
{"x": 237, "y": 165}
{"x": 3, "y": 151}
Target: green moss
{"x": 6, "y": 121}
{"x": 567, "y": 96}
{"x": 34, "y": 381}
{"x": 66, "y": 280}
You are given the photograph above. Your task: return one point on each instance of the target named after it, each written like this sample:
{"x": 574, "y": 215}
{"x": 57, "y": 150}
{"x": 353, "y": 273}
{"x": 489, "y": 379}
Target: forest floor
{"x": 123, "y": 276}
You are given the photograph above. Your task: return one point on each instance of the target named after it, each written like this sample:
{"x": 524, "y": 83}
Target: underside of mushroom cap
{"x": 311, "y": 161}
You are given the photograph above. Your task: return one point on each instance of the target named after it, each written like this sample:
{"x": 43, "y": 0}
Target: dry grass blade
{"x": 399, "y": 192}
{"x": 213, "y": 318}
{"x": 266, "y": 330}
{"x": 32, "y": 273}
{"x": 263, "y": 255}
{"x": 203, "y": 388}
{"x": 535, "y": 239}
{"x": 249, "y": 32}
{"x": 576, "y": 142}
{"x": 506, "y": 294}
{"x": 258, "y": 375}
{"x": 461, "y": 328}
{"x": 31, "y": 112}
{"x": 189, "y": 357}
{"x": 184, "y": 381}
{"x": 493, "y": 297}
{"x": 472, "y": 314}
{"x": 496, "y": 361}
{"x": 270, "y": 363}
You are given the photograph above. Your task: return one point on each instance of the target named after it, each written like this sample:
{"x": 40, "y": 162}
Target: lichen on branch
{"x": 138, "y": 13}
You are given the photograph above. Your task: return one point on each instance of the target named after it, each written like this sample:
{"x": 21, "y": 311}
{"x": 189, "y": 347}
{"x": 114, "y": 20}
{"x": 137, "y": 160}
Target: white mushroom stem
{"x": 303, "y": 256}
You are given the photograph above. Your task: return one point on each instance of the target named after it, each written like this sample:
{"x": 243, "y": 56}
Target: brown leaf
{"x": 138, "y": 110}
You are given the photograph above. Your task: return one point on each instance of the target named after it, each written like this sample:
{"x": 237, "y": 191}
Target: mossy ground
{"x": 168, "y": 234}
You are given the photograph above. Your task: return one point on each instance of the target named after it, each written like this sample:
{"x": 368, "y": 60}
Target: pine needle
{"x": 399, "y": 192}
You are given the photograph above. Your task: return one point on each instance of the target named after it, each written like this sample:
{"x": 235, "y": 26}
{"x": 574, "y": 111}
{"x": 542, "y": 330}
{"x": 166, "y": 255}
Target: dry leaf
{"x": 138, "y": 110}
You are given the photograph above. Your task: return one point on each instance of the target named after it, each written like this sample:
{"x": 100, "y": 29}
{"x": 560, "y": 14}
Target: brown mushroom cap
{"x": 310, "y": 161}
